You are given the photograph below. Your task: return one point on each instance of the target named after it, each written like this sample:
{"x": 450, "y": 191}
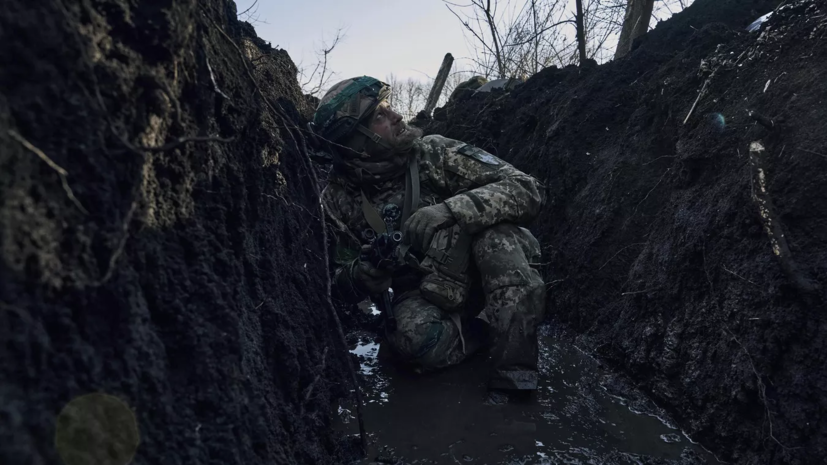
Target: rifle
{"x": 383, "y": 255}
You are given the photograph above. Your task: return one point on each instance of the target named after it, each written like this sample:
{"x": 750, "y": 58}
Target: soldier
{"x": 459, "y": 209}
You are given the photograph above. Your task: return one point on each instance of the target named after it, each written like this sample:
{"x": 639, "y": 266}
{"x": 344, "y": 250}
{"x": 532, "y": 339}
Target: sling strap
{"x": 372, "y": 216}
{"x": 411, "y": 190}
{"x": 410, "y": 204}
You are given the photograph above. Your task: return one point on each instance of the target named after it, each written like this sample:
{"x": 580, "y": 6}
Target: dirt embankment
{"x": 655, "y": 228}
{"x": 172, "y": 274}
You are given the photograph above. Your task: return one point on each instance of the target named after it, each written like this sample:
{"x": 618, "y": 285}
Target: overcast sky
{"x": 406, "y": 37}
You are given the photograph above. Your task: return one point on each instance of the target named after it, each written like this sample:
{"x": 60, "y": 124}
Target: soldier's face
{"x": 389, "y": 124}
{"x": 386, "y": 122}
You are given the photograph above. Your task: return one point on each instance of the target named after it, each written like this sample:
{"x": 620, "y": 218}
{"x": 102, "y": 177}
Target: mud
{"x": 160, "y": 243}
{"x": 655, "y": 229}
{"x": 580, "y": 414}
{"x": 174, "y": 277}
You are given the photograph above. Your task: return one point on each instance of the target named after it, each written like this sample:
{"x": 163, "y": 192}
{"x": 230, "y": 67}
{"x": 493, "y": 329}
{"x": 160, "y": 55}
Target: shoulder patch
{"x": 479, "y": 154}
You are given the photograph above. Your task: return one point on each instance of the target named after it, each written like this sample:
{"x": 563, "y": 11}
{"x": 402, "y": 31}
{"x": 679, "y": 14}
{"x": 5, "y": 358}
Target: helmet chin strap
{"x": 376, "y": 138}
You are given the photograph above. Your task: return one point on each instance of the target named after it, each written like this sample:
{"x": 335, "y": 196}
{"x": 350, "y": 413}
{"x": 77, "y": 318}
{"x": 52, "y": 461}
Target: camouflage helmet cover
{"x": 346, "y": 104}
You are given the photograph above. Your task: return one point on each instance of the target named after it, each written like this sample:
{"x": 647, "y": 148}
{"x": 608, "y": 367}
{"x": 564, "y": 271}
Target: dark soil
{"x": 657, "y": 249}
{"x": 184, "y": 279}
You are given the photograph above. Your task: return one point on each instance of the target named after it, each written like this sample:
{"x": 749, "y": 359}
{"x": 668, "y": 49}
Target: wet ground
{"x": 580, "y": 415}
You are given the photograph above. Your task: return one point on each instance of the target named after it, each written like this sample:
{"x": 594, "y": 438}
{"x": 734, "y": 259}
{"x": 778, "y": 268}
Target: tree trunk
{"x": 581, "y": 32}
{"x": 635, "y": 24}
{"x": 439, "y": 83}
{"x": 490, "y": 19}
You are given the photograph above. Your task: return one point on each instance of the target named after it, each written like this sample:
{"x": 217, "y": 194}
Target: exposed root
{"x": 554, "y": 283}
{"x": 642, "y": 292}
{"x": 113, "y": 259}
{"x": 762, "y": 391}
{"x": 772, "y": 223}
{"x": 618, "y": 253}
{"x": 214, "y": 84}
{"x": 737, "y": 275}
{"x": 647, "y": 195}
{"x": 698, "y": 99}
{"x": 60, "y": 171}
{"x": 309, "y": 390}
{"x": 810, "y": 151}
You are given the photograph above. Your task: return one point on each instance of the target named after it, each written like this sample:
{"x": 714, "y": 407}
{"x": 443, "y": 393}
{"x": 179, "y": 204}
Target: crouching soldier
{"x": 461, "y": 269}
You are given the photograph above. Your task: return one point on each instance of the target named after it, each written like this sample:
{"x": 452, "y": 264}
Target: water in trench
{"x": 581, "y": 414}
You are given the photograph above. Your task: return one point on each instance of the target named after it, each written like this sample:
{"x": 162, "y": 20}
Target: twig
{"x": 248, "y": 9}
{"x": 555, "y": 282}
{"x": 641, "y": 292}
{"x": 60, "y": 171}
{"x": 309, "y": 390}
{"x": 214, "y": 84}
{"x": 738, "y": 276}
{"x": 810, "y": 151}
{"x": 122, "y": 243}
{"x": 649, "y": 193}
{"x": 700, "y": 94}
{"x": 618, "y": 253}
{"x": 762, "y": 388}
{"x": 656, "y": 159}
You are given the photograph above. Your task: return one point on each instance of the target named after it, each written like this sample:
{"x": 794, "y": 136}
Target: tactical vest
{"x": 446, "y": 283}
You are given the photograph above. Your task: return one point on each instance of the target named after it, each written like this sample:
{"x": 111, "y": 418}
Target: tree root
{"x": 60, "y": 171}
{"x": 762, "y": 391}
{"x": 309, "y": 389}
{"x": 772, "y": 223}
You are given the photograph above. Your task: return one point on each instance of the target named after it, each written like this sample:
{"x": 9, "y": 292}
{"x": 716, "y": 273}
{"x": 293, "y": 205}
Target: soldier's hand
{"x": 371, "y": 279}
{"x": 420, "y": 228}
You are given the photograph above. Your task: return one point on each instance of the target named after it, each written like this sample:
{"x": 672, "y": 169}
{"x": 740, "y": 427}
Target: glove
{"x": 370, "y": 279}
{"x": 421, "y": 226}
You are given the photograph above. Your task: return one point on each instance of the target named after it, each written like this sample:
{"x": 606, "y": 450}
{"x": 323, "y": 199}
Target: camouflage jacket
{"x": 479, "y": 189}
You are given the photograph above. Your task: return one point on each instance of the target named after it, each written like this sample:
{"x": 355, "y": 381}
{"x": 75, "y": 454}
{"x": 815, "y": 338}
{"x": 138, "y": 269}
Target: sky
{"x": 408, "y": 38}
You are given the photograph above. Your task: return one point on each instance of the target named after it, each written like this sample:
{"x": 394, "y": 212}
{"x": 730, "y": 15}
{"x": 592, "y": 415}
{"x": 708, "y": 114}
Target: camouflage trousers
{"x": 514, "y": 295}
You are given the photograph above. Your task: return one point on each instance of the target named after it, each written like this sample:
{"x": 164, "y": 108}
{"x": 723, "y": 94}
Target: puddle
{"x": 581, "y": 414}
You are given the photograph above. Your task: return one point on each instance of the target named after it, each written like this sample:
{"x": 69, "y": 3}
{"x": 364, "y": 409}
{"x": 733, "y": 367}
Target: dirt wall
{"x": 159, "y": 235}
{"x": 655, "y": 227}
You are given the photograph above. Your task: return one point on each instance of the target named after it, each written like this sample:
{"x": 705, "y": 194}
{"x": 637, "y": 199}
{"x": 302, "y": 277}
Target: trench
{"x": 582, "y": 413}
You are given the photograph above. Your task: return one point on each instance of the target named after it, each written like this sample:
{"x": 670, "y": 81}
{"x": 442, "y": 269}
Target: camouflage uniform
{"x": 489, "y": 199}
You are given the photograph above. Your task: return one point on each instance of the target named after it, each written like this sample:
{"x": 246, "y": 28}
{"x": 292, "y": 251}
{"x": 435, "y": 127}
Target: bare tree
{"x": 250, "y": 14}
{"x": 407, "y": 97}
{"x": 510, "y": 38}
{"x": 315, "y": 81}
{"x": 635, "y": 24}
{"x": 514, "y": 39}
{"x": 581, "y": 31}
{"x": 393, "y": 81}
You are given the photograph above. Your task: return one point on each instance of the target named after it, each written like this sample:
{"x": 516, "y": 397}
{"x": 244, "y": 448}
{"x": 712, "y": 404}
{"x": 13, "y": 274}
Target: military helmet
{"x": 346, "y": 105}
